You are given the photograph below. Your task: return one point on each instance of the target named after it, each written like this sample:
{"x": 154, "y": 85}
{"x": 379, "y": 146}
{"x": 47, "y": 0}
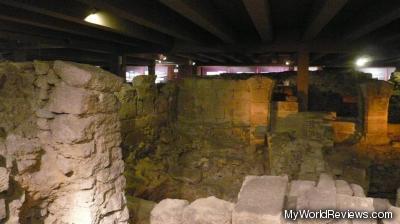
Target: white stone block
{"x": 358, "y": 191}
{"x": 261, "y": 200}
{"x": 209, "y": 210}
{"x": 316, "y": 199}
{"x": 342, "y": 187}
{"x": 168, "y": 211}
{"x": 326, "y": 183}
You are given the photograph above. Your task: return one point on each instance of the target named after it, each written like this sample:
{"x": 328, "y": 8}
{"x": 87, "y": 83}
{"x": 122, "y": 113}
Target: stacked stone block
{"x": 69, "y": 168}
{"x": 263, "y": 199}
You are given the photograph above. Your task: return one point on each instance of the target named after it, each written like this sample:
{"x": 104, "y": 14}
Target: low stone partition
{"x": 376, "y": 95}
{"x": 263, "y": 199}
{"x": 60, "y": 144}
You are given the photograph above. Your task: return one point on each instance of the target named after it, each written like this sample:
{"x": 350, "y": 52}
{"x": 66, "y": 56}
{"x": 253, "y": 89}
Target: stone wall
{"x": 197, "y": 137}
{"x": 60, "y": 144}
{"x": 297, "y": 144}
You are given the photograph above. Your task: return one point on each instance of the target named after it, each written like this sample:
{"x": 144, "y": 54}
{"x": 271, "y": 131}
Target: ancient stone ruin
{"x": 78, "y": 145}
{"x": 61, "y": 160}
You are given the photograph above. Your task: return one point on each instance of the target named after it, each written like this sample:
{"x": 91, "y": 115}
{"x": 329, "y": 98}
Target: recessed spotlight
{"x": 287, "y": 62}
{"x": 362, "y": 61}
{"x": 193, "y": 63}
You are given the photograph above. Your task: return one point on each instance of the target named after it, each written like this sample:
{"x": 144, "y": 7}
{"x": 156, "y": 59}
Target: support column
{"x": 303, "y": 59}
{"x": 187, "y": 70}
{"x": 152, "y": 68}
{"x": 118, "y": 65}
{"x": 376, "y": 96}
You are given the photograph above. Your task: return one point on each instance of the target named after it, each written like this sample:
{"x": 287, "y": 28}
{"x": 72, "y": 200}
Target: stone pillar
{"x": 302, "y": 79}
{"x": 187, "y": 70}
{"x": 118, "y": 65}
{"x": 260, "y": 97}
{"x": 152, "y": 68}
{"x": 376, "y": 95}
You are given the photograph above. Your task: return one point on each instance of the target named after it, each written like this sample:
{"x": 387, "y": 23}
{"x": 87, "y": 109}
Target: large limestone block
{"x": 260, "y": 200}
{"x": 346, "y": 202}
{"x": 358, "y": 190}
{"x": 168, "y": 211}
{"x": 316, "y": 199}
{"x": 297, "y": 188}
{"x": 396, "y": 216}
{"x": 72, "y": 100}
{"x": 209, "y": 210}
{"x": 326, "y": 183}
{"x": 342, "y": 187}
{"x": 87, "y": 76}
{"x": 69, "y": 128}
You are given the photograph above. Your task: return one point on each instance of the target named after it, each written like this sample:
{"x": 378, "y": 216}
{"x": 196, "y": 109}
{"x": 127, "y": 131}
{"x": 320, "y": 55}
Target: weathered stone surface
{"x": 358, "y": 190}
{"x": 326, "y": 183}
{"x": 342, "y": 187}
{"x": 260, "y": 200}
{"x": 86, "y": 76}
{"x": 381, "y": 204}
{"x": 4, "y": 179}
{"x": 296, "y": 189}
{"x": 3, "y": 210}
{"x": 72, "y": 100}
{"x": 52, "y": 78}
{"x": 53, "y": 159}
{"x": 396, "y": 216}
{"x": 41, "y": 67}
{"x": 398, "y": 198}
{"x": 43, "y": 124}
{"x": 72, "y": 129}
{"x": 209, "y": 210}
{"x": 345, "y": 202}
{"x": 168, "y": 211}
{"x": 317, "y": 198}
{"x": 44, "y": 113}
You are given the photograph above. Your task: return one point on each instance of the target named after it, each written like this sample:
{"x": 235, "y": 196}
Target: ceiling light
{"x": 287, "y": 62}
{"x": 362, "y": 61}
{"x": 193, "y": 63}
{"x": 95, "y": 18}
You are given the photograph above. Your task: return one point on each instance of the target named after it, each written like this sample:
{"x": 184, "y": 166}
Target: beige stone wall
{"x": 228, "y": 103}
{"x": 61, "y": 144}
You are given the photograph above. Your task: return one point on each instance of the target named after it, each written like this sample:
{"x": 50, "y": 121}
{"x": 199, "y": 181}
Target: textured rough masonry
{"x": 168, "y": 157}
{"x": 60, "y": 144}
{"x": 262, "y": 199}
{"x": 297, "y": 143}
{"x": 376, "y": 95}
